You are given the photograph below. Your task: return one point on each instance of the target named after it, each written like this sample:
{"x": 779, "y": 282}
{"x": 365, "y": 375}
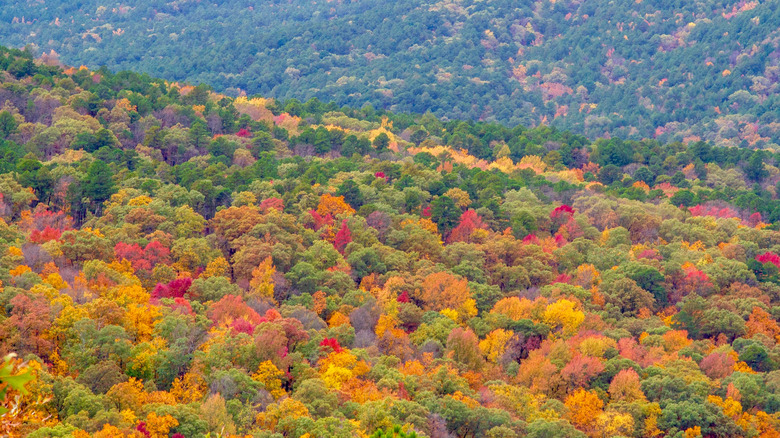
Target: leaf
{"x": 18, "y": 381}
{"x": 14, "y": 381}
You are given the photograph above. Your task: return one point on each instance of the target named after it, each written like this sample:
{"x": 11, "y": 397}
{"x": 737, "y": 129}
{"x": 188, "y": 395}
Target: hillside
{"x": 178, "y": 263}
{"x": 679, "y": 71}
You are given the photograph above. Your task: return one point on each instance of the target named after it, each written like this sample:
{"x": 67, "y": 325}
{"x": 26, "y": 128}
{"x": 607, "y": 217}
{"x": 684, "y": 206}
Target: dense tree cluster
{"x": 673, "y": 71}
{"x": 175, "y": 262}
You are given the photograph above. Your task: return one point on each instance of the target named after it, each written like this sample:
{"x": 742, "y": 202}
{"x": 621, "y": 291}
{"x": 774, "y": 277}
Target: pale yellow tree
{"x": 262, "y": 283}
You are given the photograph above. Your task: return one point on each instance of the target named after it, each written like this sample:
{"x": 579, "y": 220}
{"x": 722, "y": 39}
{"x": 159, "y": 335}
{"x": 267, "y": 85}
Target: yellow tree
{"x": 333, "y": 205}
{"x": 271, "y": 377}
{"x": 262, "y": 283}
{"x": 190, "y": 387}
{"x": 513, "y": 308}
{"x": 442, "y": 290}
{"x": 615, "y": 424}
{"x": 563, "y": 314}
{"x": 158, "y": 426}
{"x": 460, "y": 197}
{"x": 220, "y": 422}
{"x": 584, "y": 409}
{"x": 219, "y": 267}
{"x": 494, "y": 344}
{"x": 287, "y": 408}
{"x": 339, "y": 367}
{"x": 139, "y": 321}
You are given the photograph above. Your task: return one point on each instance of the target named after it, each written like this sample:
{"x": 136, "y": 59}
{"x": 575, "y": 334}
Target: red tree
{"x": 343, "y": 237}
{"x": 469, "y": 221}
{"x": 320, "y": 220}
{"x": 332, "y": 343}
{"x": 231, "y": 308}
{"x": 175, "y": 289}
{"x": 143, "y": 259}
{"x": 45, "y": 235}
{"x": 269, "y": 203}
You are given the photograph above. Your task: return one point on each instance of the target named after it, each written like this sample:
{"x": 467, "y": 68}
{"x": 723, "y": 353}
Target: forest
{"x": 177, "y": 262}
{"x": 673, "y": 71}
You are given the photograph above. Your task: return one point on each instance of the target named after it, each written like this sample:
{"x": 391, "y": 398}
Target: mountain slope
{"x": 178, "y": 263}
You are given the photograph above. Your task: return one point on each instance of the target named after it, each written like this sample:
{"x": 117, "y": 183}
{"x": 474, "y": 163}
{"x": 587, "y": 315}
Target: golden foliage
{"x": 262, "y": 283}
{"x": 494, "y": 344}
{"x": 584, "y": 409}
{"x": 333, "y": 205}
{"x": 564, "y": 315}
{"x": 219, "y": 267}
{"x": 286, "y": 408}
{"x": 271, "y": 377}
{"x": 189, "y": 388}
{"x": 159, "y": 426}
{"x": 339, "y": 367}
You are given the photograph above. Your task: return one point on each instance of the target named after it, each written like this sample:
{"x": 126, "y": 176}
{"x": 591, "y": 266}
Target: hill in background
{"x": 647, "y": 69}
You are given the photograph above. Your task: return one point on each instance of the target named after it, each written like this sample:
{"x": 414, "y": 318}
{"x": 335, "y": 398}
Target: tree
{"x": 271, "y": 377}
{"x": 351, "y": 193}
{"x": 343, "y": 237}
{"x": 609, "y": 174}
{"x": 98, "y": 185}
{"x": 626, "y": 295}
{"x": 463, "y": 346}
{"x": 651, "y": 280}
{"x": 442, "y": 290}
{"x": 8, "y": 124}
{"x": 85, "y": 244}
{"x": 705, "y": 416}
{"x": 30, "y": 317}
{"x": 755, "y": 167}
{"x": 563, "y": 315}
{"x": 717, "y": 365}
{"x": 234, "y": 222}
{"x": 174, "y": 289}
{"x": 626, "y": 386}
{"x": 495, "y": 343}
{"x": 469, "y": 222}
{"x": 685, "y": 197}
{"x": 381, "y": 143}
{"x": 393, "y": 432}
{"x": 445, "y": 213}
{"x": 333, "y": 206}
{"x": 366, "y": 261}
{"x": 262, "y": 283}
{"x": 215, "y": 411}
{"x": 584, "y": 409}
{"x": 542, "y": 428}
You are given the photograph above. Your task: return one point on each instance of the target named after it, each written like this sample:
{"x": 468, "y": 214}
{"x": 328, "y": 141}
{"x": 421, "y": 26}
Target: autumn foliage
{"x": 175, "y": 262}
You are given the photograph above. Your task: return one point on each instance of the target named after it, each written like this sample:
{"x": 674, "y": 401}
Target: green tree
{"x": 445, "y": 213}
{"x": 351, "y": 193}
{"x": 755, "y": 169}
{"x": 98, "y": 185}
{"x": 381, "y": 143}
{"x": 684, "y": 197}
{"x": 7, "y": 124}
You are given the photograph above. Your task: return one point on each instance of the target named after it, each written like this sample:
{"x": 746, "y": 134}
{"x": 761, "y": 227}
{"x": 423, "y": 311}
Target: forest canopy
{"x": 176, "y": 262}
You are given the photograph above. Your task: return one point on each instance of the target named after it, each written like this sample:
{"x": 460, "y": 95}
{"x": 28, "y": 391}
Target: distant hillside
{"x": 645, "y": 69}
